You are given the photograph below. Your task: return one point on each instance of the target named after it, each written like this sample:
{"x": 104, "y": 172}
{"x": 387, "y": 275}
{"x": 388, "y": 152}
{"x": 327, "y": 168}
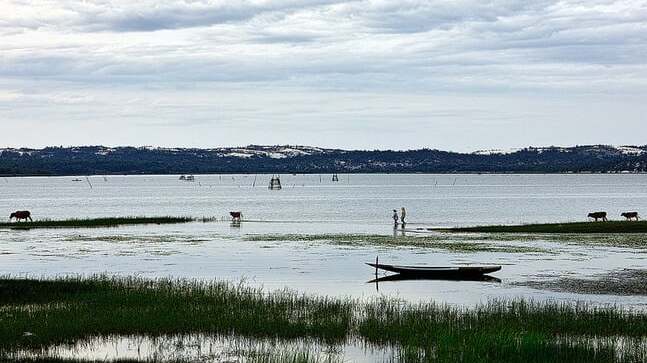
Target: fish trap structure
{"x": 275, "y": 183}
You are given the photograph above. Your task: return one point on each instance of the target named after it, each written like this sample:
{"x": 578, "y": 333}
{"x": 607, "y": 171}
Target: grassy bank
{"x": 576, "y": 227}
{"x": 98, "y": 222}
{"x": 69, "y": 310}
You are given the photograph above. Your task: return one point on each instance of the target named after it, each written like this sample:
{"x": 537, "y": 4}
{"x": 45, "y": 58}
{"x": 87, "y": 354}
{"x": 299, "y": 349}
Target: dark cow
{"x": 236, "y": 216}
{"x": 598, "y": 215}
{"x": 20, "y": 215}
{"x": 630, "y": 215}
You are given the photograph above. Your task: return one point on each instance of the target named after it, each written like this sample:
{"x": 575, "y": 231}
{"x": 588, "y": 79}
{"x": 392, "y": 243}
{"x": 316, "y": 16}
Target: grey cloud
{"x": 463, "y": 47}
{"x": 145, "y": 15}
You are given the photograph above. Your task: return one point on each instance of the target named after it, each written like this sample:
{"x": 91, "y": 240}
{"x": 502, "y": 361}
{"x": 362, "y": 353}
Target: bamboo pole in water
{"x": 376, "y": 267}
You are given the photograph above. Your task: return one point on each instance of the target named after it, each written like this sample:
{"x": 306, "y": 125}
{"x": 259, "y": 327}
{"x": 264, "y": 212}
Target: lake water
{"x": 356, "y": 201}
{"x": 313, "y": 204}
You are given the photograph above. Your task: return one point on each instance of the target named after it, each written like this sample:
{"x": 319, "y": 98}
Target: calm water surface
{"x": 313, "y": 204}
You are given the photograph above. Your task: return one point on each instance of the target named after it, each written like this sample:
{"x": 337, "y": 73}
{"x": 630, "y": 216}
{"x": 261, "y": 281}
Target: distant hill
{"x": 89, "y": 160}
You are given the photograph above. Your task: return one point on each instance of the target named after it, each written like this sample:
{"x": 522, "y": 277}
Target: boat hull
{"x": 438, "y": 272}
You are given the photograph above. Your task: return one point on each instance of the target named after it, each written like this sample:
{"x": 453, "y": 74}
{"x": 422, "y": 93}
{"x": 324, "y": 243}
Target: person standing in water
{"x": 395, "y": 218}
{"x": 403, "y": 214}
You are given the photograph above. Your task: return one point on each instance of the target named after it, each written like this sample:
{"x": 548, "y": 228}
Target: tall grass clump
{"x": 516, "y": 330}
{"x": 70, "y": 309}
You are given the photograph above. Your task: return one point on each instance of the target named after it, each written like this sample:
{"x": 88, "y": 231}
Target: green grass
{"x": 72, "y": 309}
{"x": 504, "y": 331}
{"x": 60, "y": 311}
{"x": 423, "y": 241}
{"x": 576, "y": 227}
{"x": 98, "y": 222}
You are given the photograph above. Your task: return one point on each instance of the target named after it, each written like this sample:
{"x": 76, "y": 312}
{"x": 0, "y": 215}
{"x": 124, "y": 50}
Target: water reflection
{"x": 400, "y": 277}
{"x": 219, "y": 348}
{"x": 207, "y": 348}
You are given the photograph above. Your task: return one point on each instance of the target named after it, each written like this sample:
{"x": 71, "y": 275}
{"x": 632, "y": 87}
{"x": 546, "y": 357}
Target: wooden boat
{"x": 401, "y": 277}
{"x": 440, "y": 272}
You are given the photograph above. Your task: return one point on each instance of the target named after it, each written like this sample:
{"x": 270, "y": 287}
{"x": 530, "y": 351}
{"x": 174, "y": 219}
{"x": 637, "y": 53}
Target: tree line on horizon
{"x": 94, "y": 160}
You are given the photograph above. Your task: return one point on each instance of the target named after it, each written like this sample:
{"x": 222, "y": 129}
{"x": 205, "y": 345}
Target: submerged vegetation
{"x": 623, "y": 282}
{"x": 428, "y": 241}
{"x": 575, "y": 227}
{"x": 37, "y": 314}
{"x": 100, "y": 222}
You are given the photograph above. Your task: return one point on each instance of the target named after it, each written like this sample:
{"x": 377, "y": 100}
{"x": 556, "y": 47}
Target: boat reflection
{"x": 405, "y": 277}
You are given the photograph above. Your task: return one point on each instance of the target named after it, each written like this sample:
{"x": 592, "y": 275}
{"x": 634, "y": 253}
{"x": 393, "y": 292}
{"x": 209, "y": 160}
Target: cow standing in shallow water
{"x": 236, "y": 216}
{"x": 20, "y": 215}
{"x": 598, "y": 215}
{"x": 630, "y": 215}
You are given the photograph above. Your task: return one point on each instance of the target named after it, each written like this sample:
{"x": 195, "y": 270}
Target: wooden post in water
{"x": 376, "y": 267}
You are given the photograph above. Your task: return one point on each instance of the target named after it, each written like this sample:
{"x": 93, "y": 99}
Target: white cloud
{"x": 90, "y": 53}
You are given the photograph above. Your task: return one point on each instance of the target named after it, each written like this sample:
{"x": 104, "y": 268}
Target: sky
{"x": 459, "y": 75}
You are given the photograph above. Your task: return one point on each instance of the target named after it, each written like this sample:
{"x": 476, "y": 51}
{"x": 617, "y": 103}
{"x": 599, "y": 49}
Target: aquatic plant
{"x": 56, "y": 311}
{"x": 66, "y": 310}
{"x": 502, "y": 330}
{"x": 423, "y": 241}
{"x": 619, "y": 282}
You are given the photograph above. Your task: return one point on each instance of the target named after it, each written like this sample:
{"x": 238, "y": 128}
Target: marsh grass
{"x": 99, "y": 222}
{"x": 505, "y": 331}
{"x": 575, "y": 227}
{"x": 67, "y": 310}
{"x": 64, "y": 310}
{"x": 439, "y": 242}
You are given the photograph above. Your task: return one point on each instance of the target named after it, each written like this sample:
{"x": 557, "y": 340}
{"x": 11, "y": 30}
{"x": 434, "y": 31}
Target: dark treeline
{"x": 89, "y": 160}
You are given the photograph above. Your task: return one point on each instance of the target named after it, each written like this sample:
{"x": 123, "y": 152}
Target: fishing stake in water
{"x": 376, "y": 264}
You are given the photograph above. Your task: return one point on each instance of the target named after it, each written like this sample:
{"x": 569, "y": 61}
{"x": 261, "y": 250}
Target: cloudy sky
{"x": 459, "y": 75}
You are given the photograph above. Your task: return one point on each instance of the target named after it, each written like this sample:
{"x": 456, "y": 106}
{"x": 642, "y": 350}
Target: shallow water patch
{"x": 436, "y": 242}
{"x": 207, "y": 348}
{"x": 620, "y": 282}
